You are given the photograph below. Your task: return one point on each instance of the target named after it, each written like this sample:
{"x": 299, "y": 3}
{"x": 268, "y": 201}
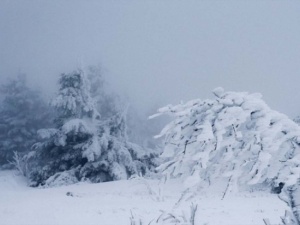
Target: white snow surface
{"x": 113, "y": 203}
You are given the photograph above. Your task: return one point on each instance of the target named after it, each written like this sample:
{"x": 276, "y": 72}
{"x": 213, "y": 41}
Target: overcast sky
{"x": 159, "y": 52}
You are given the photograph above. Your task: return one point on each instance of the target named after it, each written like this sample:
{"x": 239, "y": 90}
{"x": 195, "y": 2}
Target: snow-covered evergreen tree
{"x": 113, "y": 108}
{"x": 235, "y": 137}
{"x": 23, "y": 111}
{"x": 107, "y": 103}
{"x": 82, "y": 146}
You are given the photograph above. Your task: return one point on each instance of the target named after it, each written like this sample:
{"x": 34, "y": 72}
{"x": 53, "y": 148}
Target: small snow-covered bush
{"x": 168, "y": 218}
{"x": 62, "y": 178}
{"x": 186, "y": 217}
{"x": 291, "y": 196}
{"x": 20, "y": 163}
{"x": 235, "y": 137}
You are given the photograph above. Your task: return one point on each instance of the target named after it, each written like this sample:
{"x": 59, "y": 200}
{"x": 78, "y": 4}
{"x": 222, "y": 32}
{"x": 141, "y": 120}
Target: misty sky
{"x": 159, "y": 52}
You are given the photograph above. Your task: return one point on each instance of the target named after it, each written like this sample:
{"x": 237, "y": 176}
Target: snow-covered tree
{"x": 82, "y": 146}
{"x": 113, "y": 108}
{"x": 23, "y": 111}
{"x": 235, "y": 137}
{"x": 107, "y": 103}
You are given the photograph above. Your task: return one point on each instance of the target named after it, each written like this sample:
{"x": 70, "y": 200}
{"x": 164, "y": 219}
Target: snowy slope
{"x": 113, "y": 203}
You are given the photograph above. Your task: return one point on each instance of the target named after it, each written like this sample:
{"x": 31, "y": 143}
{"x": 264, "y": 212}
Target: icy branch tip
{"x": 219, "y": 91}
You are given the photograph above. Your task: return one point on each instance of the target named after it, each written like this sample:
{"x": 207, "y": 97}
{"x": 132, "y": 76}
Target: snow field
{"x": 113, "y": 203}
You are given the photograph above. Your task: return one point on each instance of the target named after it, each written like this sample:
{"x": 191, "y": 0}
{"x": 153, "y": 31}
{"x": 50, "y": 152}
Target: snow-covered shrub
{"x": 185, "y": 217}
{"x": 81, "y": 142}
{"x": 20, "y": 163}
{"x": 234, "y": 136}
{"x": 291, "y": 195}
{"x": 289, "y": 219}
{"x": 62, "y": 178}
{"x": 168, "y": 218}
{"x": 22, "y": 112}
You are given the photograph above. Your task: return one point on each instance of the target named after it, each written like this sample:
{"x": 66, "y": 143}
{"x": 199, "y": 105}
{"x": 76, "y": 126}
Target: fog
{"x": 159, "y": 52}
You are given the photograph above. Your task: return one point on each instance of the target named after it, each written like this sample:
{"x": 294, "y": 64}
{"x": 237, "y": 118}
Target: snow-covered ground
{"x": 113, "y": 203}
